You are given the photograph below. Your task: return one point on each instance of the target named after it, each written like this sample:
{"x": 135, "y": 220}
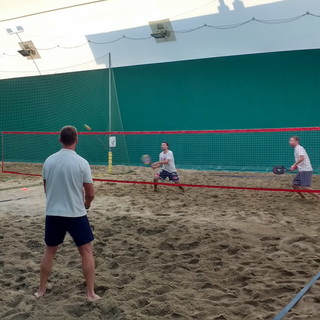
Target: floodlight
{"x": 19, "y": 29}
{"x": 28, "y": 49}
{"x": 160, "y": 35}
{"x": 25, "y": 52}
{"x": 161, "y": 32}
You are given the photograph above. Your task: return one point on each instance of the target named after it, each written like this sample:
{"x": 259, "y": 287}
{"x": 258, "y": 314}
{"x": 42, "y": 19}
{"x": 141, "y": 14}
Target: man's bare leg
{"x": 155, "y": 187}
{"x": 45, "y": 269}
{"x": 296, "y": 187}
{"x": 88, "y": 267}
{"x": 180, "y": 187}
{"x": 313, "y": 194}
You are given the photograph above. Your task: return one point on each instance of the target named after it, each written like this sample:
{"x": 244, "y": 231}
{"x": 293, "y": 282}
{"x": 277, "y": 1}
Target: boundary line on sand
{"x": 7, "y": 200}
{"x": 183, "y": 184}
{"x": 296, "y": 299}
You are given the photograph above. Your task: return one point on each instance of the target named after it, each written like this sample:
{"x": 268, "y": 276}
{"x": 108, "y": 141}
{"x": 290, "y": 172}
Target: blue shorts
{"x": 303, "y": 179}
{"x": 57, "y": 227}
{"x": 173, "y": 176}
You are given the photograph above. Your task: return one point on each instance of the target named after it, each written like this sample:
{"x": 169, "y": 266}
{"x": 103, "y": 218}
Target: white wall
{"x": 109, "y": 20}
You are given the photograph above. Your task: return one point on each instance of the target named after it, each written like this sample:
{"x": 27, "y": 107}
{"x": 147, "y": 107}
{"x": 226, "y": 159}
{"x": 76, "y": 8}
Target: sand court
{"x": 205, "y": 254}
{"x": 219, "y": 93}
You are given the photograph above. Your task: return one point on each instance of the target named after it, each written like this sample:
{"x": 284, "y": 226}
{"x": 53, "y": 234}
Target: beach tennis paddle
{"x": 281, "y": 169}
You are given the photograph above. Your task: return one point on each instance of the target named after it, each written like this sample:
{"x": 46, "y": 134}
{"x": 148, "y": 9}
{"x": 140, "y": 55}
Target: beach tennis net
{"x": 235, "y": 158}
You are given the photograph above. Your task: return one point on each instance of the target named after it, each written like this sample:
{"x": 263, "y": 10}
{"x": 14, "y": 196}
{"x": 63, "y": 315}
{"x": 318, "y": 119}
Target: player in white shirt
{"x": 303, "y": 179}
{"x": 69, "y": 192}
{"x": 167, "y": 165}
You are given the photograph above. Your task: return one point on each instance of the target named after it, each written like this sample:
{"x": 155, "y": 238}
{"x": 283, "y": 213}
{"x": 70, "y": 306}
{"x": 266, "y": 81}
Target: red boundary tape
{"x": 182, "y": 184}
{"x": 172, "y": 132}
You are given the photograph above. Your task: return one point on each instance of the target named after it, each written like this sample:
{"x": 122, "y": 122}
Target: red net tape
{"x": 174, "y": 132}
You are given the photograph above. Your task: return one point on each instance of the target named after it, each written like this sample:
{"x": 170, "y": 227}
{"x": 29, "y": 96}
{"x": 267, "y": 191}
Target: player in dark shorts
{"x": 167, "y": 167}
{"x": 303, "y": 179}
{"x": 69, "y": 193}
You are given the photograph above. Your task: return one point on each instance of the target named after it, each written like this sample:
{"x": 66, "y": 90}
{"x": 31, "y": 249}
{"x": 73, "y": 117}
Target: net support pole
{"x": 110, "y": 169}
{"x": 2, "y": 152}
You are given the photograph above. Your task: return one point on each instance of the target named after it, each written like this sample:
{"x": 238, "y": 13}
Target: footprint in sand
{"x": 233, "y": 249}
{"x": 157, "y": 309}
{"x": 142, "y": 302}
{"x": 175, "y": 315}
{"x": 220, "y": 317}
{"x": 270, "y": 239}
{"x": 162, "y": 289}
{"x": 188, "y": 246}
{"x": 166, "y": 245}
{"x": 223, "y": 298}
{"x": 33, "y": 244}
{"x": 77, "y": 310}
{"x": 113, "y": 265}
{"x": 300, "y": 239}
{"x": 20, "y": 316}
{"x": 216, "y": 287}
{"x": 25, "y": 255}
{"x": 151, "y": 231}
{"x": 162, "y": 214}
{"x": 102, "y": 289}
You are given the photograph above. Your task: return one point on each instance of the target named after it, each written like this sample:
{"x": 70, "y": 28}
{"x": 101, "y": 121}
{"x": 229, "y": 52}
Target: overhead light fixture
{"x": 27, "y": 52}
{"x": 160, "y": 34}
{"x": 19, "y": 30}
{"x": 28, "y": 49}
{"x": 161, "y": 31}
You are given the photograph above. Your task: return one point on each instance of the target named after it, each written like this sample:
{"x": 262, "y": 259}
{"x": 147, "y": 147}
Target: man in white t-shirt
{"x": 167, "y": 165}
{"x": 303, "y": 179}
{"x": 69, "y": 193}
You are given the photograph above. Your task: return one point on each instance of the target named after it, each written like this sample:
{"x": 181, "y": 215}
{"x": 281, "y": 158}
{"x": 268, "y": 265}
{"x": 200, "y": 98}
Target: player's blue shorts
{"x": 173, "y": 176}
{"x": 303, "y": 179}
{"x": 57, "y": 227}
